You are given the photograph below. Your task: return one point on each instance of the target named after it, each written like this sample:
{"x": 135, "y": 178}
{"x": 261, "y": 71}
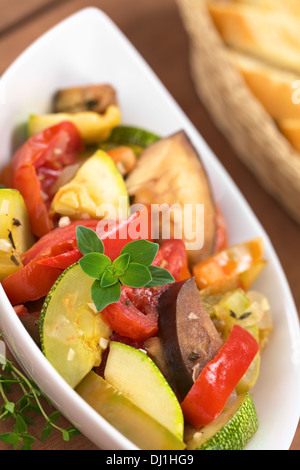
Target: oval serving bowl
{"x": 101, "y": 53}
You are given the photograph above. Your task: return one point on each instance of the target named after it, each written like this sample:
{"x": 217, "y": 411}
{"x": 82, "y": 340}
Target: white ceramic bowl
{"x": 88, "y": 48}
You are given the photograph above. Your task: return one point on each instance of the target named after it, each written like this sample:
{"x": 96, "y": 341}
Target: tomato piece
{"x": 36, "y": 166}
{"x": 31, "y": 282}
{"x": 125, "y": 340}
{"x": 116, "y": 236}
{"x": 45, "y": 261}
{"x": 209, "y": 394}
{"x": 6, "y": 176}
{"x": 58, "y": 235}
{"x": 62, "y": 255}
{"x": 228, "y": 264}
{"x": 135, "y": 315}
{"x": 21, "y": 310}
{"x": 120, "y": 232}
{"x": 172, "y": 256}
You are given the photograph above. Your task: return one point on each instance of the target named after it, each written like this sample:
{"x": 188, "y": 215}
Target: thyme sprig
{"x": 20, "y": 412}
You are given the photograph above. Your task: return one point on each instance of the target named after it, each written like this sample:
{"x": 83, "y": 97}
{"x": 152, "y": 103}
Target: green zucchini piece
{"x": 15, "y": 231}
{"x": 232, "y": 430}
{"x": 134, "y": 137}
{"x": 135, "y": 375}
{"x": 138, "y": 426}
{"x": 71, "y": 331}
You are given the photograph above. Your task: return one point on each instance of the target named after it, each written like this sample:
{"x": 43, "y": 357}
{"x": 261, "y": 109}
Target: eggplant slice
{"x": 170, "y": 176}
{"x": 188, "y": 335}
{"x": 96, "y": 98}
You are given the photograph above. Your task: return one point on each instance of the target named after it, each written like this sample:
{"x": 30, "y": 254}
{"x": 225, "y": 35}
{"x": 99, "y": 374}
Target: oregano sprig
{"x": 133, "y": 268}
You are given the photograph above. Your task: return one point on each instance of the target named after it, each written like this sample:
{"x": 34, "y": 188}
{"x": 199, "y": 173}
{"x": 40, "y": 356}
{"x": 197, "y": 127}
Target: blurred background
{"x": 157, "y": 30}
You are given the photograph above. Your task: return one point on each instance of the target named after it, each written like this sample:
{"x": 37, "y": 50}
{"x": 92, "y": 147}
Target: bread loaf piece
{"x": 271, "y": 86}
{"x": 289, "y": 6}
{"x": 272, "y": 36}
{"x": 290, "y": 128}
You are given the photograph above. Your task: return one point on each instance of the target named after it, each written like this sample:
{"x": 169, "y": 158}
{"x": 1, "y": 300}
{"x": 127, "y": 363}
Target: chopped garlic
{"x": 64, "y": 221}
{"x": 44, "y": 195}
{"x": 71, "y": 355}
{"x": 5, "y": 245}
{"x": 4, "y": 209}
{"x": 103, "y": 343}
{"x": 192, "y": 316}
{"x": 85, "y": 216}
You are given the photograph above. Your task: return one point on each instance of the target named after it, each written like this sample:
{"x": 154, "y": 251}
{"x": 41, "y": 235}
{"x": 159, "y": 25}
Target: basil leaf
{"x": 141, "y": 251}
{"x": 88, "y": 241}
{"x": 160, "y": 277}
{"x": 108, "y": 279}
{"x": 121, "y": 264}
{"x": 104, "y": 296}
{"x": 136, "y": 275}
{"x": 94, "y": 264}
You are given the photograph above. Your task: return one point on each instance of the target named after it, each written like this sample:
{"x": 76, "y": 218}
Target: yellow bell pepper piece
{"x": 93, "y": 127}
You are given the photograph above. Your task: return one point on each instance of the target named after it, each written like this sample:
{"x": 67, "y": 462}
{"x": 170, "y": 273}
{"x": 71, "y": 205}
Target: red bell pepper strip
{"x": 36, "y": 166}
{"x": 209, "y": 394}
{"x": 135, "y": 315}
{"x": 46, "y": 260}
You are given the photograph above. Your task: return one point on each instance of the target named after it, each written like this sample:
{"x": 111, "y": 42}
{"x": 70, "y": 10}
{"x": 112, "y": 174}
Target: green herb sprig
{"x": 133, "y": 268}
{"x": 21, "y": 412}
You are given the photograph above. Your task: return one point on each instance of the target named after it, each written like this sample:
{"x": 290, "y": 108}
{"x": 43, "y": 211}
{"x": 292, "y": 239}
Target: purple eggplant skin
{"x": 188, "y": 335}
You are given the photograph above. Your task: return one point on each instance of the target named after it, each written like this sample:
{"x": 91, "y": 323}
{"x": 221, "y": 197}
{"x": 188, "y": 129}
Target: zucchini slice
{"x": 71, "y": 331}
{"x": 134, "y": 137}
{"x": 232, "y": 430}
{"x": 126, "y": 416}
{"x": 15, "y": 232}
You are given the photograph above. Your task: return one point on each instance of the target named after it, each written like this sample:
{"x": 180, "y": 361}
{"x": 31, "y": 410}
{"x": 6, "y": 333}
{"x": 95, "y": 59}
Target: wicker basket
{"x": 237, "y": 113}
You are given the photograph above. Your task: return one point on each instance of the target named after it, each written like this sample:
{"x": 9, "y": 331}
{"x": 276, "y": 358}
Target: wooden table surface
{"x": 155, "y": 29}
